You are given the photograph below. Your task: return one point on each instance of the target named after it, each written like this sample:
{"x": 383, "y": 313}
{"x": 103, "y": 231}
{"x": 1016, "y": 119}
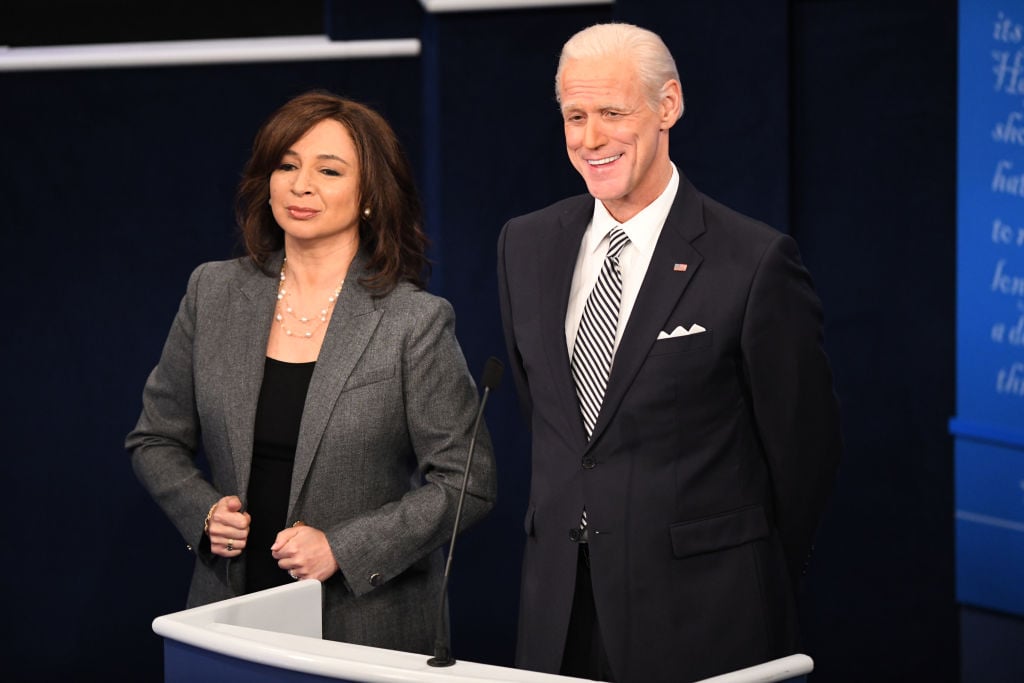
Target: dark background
{"x": 832, "y": 120}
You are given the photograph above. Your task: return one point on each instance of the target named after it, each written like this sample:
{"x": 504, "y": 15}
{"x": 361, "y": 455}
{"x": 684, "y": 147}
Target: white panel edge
{"x": 438, "y": 6}
{"x": 201, "y": 52}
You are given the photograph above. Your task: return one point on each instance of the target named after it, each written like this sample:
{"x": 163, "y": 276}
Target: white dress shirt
{"x": 643, "y": 231}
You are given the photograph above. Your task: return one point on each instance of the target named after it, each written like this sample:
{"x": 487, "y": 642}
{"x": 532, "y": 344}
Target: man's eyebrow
{"x": 618, "y": 106}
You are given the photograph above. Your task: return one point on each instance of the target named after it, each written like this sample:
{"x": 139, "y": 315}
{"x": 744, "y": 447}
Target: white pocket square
{"x": 681, "y": 332}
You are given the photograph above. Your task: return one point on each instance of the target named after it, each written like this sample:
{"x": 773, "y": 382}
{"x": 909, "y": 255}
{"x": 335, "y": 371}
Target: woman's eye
{"x": 286, "y": 166}
{"x": 330, "y": 171}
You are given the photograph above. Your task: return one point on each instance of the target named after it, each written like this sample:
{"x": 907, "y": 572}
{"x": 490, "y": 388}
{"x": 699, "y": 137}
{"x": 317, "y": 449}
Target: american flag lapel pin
{"x": 679, "y": 267}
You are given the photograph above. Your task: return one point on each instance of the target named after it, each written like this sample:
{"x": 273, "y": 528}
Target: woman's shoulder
{"x": 407, "y": 298}
{"x": 218, "y": 273}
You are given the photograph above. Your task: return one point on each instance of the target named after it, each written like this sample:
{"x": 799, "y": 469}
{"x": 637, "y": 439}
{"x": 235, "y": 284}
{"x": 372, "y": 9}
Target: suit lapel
{"x": 659, "y": 294}
{"x": 559, "y": 263}
{"x": 252, "y": 309}
{"x": 352, "y": 325}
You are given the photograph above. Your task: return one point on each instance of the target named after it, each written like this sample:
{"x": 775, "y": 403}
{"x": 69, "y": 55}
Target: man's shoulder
{"x": 723, "y": 221}
{"x": 564, "y": 208}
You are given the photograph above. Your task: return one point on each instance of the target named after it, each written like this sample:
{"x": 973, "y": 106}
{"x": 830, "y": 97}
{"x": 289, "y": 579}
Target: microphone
{"x": 442, "y": 649}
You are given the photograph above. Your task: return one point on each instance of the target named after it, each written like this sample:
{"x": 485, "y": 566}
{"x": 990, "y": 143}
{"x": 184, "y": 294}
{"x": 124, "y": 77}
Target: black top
{"x": 278, "y": 416}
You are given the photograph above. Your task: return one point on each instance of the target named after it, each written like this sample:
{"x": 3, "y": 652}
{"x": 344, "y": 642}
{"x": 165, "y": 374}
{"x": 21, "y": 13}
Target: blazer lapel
{"x": 659, "y": 294}
{"x": 352, "y": 325}
{"x": 249, "y": 319}
{"x": 559, "y": 262}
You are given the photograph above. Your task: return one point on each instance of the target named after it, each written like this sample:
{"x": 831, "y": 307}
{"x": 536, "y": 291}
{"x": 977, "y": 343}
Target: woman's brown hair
{"x": 392, "y": 236}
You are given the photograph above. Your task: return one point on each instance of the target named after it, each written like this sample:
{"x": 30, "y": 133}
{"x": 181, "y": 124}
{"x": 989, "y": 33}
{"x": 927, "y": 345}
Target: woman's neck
{"x": 318, "y": 267}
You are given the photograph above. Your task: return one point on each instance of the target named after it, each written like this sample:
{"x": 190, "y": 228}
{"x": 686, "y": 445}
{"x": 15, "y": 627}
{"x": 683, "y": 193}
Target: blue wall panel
{"x": 989, "y": 425}
{"x": 990, "y": 525}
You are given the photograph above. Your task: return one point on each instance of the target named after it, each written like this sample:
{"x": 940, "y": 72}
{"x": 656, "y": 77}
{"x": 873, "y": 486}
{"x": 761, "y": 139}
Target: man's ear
{"x": 671, "y": 103}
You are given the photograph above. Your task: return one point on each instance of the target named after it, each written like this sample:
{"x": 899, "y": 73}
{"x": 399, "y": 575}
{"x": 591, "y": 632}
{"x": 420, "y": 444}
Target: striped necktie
{"x": 595, "y": 340}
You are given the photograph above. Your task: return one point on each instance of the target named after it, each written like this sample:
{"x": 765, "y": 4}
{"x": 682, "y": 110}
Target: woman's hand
{"x": 304, "y": 553}
{"x": 228, "y": 527}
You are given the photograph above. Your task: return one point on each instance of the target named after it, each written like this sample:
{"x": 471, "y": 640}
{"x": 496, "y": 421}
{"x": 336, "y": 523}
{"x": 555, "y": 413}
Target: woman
{"x": 325, "y": 386}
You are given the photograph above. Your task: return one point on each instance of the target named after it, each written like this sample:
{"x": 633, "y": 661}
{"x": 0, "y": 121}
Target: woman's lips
{"x": 301, "y": 212}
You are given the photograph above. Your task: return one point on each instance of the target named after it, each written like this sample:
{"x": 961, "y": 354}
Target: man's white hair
{"x": 645, "y": 49}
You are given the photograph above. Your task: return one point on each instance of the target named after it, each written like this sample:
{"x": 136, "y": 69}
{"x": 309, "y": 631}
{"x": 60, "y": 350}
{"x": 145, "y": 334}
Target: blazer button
{"x": 376, "y": 579}
{"x": 574, "y": 535}
{"x": 588, "y": 463}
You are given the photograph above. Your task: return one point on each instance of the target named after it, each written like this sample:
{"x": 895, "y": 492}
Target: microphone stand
{"x": 442, "y": 649}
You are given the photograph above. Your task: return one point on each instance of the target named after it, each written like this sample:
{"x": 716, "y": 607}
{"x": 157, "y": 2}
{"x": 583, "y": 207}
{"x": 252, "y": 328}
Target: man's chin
{"x": 604, "y": 191}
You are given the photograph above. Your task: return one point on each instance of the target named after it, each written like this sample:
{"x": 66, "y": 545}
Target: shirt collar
{"x": 642, "y": 229}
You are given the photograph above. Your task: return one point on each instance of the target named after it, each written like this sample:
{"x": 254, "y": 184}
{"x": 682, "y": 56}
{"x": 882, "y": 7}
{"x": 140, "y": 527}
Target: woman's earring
{"x": 367, "y": 213}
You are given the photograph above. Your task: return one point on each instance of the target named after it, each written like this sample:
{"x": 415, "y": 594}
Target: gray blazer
{"x": 381, "y": 448}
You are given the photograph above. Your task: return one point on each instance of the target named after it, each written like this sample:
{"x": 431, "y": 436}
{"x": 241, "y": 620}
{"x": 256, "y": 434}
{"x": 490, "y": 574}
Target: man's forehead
{"x": 597, "y": 78}
{"x": 599, "y": 95}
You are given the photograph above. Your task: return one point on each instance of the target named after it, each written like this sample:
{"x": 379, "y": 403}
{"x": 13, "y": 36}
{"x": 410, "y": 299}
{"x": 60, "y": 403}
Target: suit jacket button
{"x": 376, "y": 579}
{"x": 574, "y": 535}
{"x": 588, "y": 463}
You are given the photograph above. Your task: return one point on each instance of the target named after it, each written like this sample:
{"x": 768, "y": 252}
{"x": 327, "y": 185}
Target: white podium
{"x": 275, "y": 636}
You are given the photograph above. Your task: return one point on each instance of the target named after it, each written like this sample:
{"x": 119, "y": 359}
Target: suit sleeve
{"x": 794, "y": 403}
{"x": 440, "y": 410}
{"x": 164, "y": 442}
{"x": 505, "y": 303}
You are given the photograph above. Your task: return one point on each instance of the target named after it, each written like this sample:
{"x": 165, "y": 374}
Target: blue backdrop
{"x": 990, "y": 307}
{"x": 833, "y": 121}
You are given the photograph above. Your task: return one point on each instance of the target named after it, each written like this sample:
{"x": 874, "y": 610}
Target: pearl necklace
{"x": 310, "y": 323}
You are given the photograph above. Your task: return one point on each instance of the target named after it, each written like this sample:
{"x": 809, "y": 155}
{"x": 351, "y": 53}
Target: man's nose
{"x": 593, "y": 133}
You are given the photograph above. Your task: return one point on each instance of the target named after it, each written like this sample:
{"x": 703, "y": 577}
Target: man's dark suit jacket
{"x": 712, "y": 457}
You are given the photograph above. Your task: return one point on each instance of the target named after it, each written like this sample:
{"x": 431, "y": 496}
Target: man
{"x": 685, "y": 429}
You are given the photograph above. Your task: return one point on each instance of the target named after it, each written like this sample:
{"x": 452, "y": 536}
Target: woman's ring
{"x": 292, "y": 574}
{"x": 230, "y": 544}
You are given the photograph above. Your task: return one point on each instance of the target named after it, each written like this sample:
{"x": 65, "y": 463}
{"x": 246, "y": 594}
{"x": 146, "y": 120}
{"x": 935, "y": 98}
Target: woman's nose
{"x": 302, "y": 182}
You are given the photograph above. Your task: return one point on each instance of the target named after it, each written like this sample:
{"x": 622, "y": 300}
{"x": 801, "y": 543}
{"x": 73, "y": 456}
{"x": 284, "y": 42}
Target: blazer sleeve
{"x": 795, "y": 407}
{"x": 440, "y": 410}
{"x": 505, "y": 303}
{"x": 164, "y": 443}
